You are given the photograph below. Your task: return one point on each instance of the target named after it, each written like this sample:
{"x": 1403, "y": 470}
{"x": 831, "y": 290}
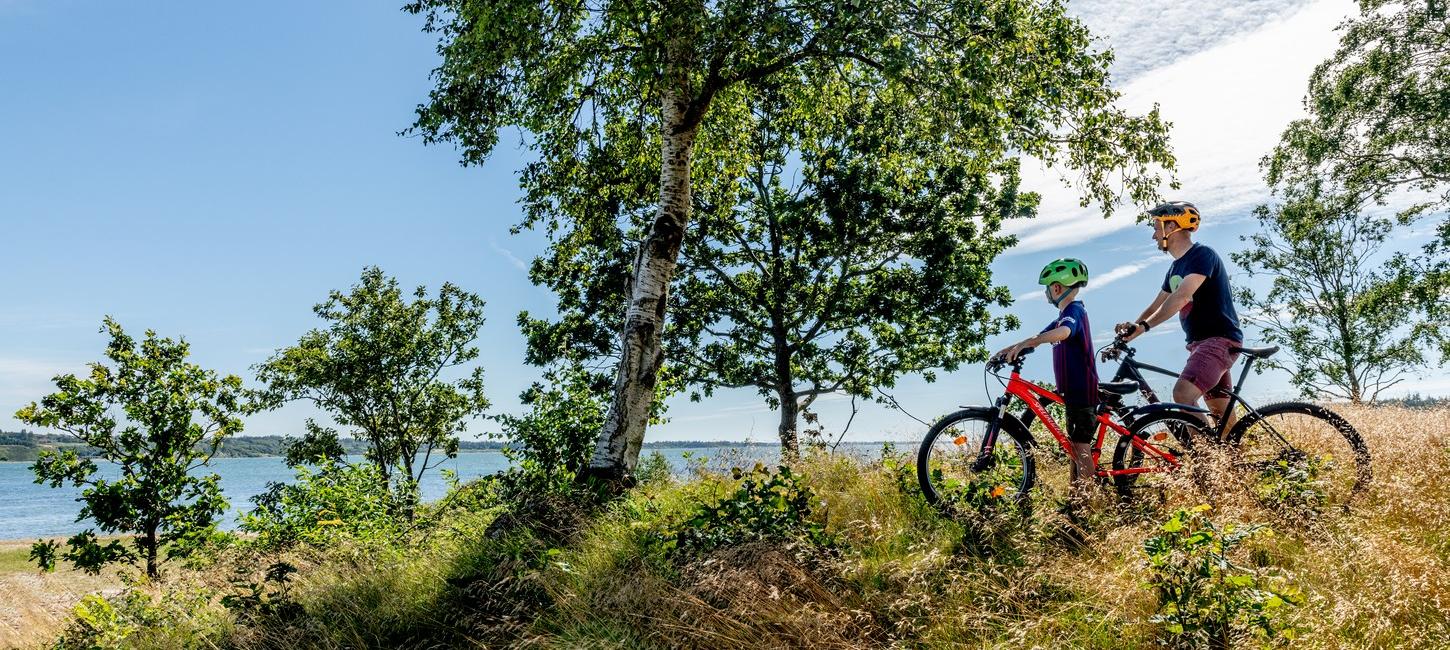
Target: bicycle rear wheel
{"x": 1172, "y": 432}
{"x": 1302, "y": 455}
{"x": 956, "y": 475}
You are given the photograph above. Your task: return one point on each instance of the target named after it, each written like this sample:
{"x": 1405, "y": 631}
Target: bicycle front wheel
{"x": 1302, "y": 455}
{"x": 955, "y": 473}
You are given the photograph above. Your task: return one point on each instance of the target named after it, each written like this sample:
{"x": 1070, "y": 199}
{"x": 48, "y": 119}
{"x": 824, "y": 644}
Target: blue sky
{"x": 213, "y": 169}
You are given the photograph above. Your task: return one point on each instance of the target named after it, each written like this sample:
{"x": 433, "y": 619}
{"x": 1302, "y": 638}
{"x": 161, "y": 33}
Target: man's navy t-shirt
{"x": 1210, "y": 312}
{"x": 1072, "y": 359}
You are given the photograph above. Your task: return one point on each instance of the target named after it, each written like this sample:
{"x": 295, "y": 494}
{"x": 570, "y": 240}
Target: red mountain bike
{"x": 979, "y": 455}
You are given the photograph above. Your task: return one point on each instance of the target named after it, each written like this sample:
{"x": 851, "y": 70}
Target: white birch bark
{"x": 617, "y": 449}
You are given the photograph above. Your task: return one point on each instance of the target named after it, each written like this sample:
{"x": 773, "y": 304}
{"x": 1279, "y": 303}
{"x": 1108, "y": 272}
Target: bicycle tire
{"x": 1126, "y": 456}
{"x": 1010, "y": 445}
{"x": 1258, "y": 425}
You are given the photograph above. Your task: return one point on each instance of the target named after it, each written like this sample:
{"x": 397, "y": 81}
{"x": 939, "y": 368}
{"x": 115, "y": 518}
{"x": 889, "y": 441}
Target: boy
{"x": 1072, "y": 362}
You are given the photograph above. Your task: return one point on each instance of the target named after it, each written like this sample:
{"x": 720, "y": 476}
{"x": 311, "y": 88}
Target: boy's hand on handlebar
{"x": 1009, "y": 353}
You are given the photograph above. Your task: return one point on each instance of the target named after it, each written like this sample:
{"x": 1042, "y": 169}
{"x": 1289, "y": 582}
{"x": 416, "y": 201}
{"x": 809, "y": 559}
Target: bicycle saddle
{"x": 1118, "y": 387}
{"x": 1257, "y": 353}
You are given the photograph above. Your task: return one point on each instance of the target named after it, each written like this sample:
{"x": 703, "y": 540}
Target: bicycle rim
{"x": 955, "y": 476}
{"x": 1172, "y": 433}
{"x": 1302, "y": 456}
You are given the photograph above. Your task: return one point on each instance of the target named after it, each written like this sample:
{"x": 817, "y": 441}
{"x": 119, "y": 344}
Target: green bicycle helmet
{"x": 1067, "y": 272}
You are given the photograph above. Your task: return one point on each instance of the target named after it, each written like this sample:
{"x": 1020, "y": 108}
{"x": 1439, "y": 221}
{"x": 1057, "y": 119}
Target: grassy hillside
{"x": 865, "y": 565}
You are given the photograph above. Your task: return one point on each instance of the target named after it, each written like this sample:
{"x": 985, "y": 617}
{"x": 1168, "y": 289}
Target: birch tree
{"x": 663, "y": 86}
{"x": 852, "y": 250}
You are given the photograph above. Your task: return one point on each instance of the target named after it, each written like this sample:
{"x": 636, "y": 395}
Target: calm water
{"x": 28, "y": 510}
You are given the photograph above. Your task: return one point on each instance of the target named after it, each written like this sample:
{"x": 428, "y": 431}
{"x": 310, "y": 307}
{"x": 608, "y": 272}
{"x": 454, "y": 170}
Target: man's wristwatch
{"x": 1145, "y": 325}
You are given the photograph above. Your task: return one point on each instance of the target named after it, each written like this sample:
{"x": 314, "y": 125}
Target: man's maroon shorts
{"x": 1208, "y": 365}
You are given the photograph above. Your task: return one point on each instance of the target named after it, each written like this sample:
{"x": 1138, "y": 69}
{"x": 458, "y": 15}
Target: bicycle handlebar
{"x": 996, "y": 363}
{"x": 1115, "y": 350}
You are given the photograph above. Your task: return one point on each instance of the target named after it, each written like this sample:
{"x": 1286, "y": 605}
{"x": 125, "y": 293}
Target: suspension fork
{"x": 989, "y": 441}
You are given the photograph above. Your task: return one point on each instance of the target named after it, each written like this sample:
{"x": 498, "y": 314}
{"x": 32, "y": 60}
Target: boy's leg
{"x": 1081, "y": 430}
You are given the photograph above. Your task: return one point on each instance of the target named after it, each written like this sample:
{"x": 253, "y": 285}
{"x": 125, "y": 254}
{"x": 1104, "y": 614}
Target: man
{"x": 1195, "y": 288}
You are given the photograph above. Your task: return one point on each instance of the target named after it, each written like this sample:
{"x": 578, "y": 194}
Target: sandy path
{"x": 34, "y": 606}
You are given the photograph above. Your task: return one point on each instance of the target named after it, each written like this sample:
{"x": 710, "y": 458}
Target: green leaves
{"x": 1378, "y": 131}
{"x": 1205, "y": 599}
{"x": 379, "y": 367}
{"x": 764, "y": 506}
{"x": 158, "y": 418}
{"x": 1347, "y": 316}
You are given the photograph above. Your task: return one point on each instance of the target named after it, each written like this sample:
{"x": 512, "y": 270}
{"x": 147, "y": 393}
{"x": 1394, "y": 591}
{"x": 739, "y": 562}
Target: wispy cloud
{"x": 1228, "y": 105}
{"x": 1150, "y": 35}
{"x": 1103, "y": 279}
{"x": 508, "y": 255}
{"x": 1120, "y": 272}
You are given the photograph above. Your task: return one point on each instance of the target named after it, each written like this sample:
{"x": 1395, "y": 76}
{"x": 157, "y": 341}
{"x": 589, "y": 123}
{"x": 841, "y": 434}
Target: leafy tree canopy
{"x": 629, "y": 103}
{"x": 158, "y": 418}
{"x": 1378, "y": 128}
{"x": 1337, "y": 301}
{"x": 390, "y": 369}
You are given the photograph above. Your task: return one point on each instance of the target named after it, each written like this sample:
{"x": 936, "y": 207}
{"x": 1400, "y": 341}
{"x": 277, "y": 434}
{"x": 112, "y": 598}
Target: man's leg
{"x": 1184, "y": 392}
{"x": 1206, "y": 373}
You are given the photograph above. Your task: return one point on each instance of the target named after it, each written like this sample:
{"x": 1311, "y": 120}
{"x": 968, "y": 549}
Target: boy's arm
{"x": 1053, "y": 335}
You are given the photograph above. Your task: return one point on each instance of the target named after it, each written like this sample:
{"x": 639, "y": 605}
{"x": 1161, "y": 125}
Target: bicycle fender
{"x": 1163, "y": 406}
{"x": 1013, "y": 426}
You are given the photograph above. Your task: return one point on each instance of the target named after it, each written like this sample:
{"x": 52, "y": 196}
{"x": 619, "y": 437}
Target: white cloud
{"x": 1151, "y": 35}
{"x": 508, "y": 255}
{"x": 1228, "y": 105}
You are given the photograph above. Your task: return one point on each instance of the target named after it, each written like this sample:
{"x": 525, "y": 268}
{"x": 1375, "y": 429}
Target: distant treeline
{"x": 26, "y": 446}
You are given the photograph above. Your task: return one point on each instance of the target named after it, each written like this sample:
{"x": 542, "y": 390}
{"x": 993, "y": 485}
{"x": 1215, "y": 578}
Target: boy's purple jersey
{"x": 1073, "y": 362}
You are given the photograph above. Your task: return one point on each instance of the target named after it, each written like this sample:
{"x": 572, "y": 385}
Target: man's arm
{"x": 1125, "y": 329}
{"x": 1153, "y": 308}
{"x": 1170, "y": 305}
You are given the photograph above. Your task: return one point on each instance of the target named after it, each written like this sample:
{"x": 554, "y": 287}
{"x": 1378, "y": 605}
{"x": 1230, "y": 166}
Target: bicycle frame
{"x": 1130, "y": 368}
{"x": 1035, "y": 396}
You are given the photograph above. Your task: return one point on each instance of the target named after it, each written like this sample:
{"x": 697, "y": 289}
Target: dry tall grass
{"x": 1375, "y": 576}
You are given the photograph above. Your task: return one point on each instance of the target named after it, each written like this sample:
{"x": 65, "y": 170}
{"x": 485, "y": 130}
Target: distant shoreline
{"x": 475, "y": 446}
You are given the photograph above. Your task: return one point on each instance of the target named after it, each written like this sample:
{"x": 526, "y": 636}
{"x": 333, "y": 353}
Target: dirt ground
{"x": 34, "y": 605}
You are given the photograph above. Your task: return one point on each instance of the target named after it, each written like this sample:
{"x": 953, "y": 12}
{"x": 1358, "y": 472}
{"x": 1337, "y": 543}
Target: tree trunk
{"x": 153, "y": 569}
{"x": 789, "y": 414}
{"x": 616, "y": 451}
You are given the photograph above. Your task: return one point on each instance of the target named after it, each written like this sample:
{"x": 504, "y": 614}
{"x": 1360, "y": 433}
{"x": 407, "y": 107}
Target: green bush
{"x": 133, "y": 619}
{"x": 1293, "y": 488}
{"x": 334, "y": 499}
{"x": 1205, "y": 599}
{"x": 764, "y": 506}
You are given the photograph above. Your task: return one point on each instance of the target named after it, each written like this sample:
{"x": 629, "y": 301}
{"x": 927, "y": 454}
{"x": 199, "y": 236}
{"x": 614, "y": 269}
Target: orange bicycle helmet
{"x": 1182, "y": 213}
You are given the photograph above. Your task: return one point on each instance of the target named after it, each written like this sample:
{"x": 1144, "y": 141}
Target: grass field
{"x": 895, "y": 575}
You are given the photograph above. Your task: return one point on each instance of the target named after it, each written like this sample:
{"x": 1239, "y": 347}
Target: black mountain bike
{"x": 1304, "y": 442}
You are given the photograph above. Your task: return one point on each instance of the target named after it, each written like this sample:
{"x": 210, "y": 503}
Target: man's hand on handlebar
{"x": 1128, "y": 331}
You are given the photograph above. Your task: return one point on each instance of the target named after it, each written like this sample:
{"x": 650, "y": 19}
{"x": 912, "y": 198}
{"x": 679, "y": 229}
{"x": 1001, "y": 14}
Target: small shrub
{"x": 1205, "y": 599}
{"x": 133, "y": 619}
{"x": 1293, "y": 488}
{"x": 764, "y": 506}
{"x": 335, "y": 499}
{"x": 654, "y": 469}
{"x": 251, "y": 599}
